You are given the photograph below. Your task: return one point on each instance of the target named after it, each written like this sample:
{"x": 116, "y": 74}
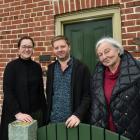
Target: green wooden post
{"x": 72, "y": 133}
{"x": 61, "y": 131}
{"x": 51, "y": 132}
{"x": 41, "y": 133}
{"x": 109, "y": 135}
{"x": 97, "y": 133}
{"x": 84, "y": 132}
{"x": 23, "y": 130}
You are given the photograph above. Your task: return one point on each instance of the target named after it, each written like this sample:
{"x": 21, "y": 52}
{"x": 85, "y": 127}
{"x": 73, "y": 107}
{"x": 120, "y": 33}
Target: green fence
{"x": 82, "y": 132}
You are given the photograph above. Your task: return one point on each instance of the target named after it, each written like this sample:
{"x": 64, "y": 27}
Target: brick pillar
{"x": 23, "y": 131}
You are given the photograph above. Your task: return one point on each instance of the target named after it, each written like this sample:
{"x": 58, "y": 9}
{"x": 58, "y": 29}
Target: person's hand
{"x": 23, "y": 117}
{"x": 72, "y": 121}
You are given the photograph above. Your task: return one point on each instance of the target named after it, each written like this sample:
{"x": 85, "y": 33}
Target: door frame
{"x": 92, "y": 14}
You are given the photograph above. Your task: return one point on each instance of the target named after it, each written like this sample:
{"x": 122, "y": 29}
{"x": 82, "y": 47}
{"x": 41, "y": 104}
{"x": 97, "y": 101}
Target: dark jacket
{"x": 80, "y": 84}
{"x": 125, "y": 99}
{"x": 23, "y": 92}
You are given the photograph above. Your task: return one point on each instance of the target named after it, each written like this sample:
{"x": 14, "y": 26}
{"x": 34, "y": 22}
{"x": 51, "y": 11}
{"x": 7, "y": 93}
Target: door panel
{"x": 83, "y": 37}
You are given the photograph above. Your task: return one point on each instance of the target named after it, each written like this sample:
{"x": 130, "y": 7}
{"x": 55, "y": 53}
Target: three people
{"x": 115, "y": 90}
{"x": 68, "y": 86}
{"x": 23, "y": 89}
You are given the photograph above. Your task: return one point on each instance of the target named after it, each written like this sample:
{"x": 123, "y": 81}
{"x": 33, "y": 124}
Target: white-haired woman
{"x": 115, "y": 90}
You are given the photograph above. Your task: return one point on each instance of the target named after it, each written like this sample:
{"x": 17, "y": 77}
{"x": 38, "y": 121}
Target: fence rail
{"x": 82, "y": 132}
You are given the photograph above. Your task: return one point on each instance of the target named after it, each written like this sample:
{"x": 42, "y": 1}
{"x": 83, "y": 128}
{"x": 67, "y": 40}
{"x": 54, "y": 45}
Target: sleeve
{"x": 42, "y": 96}
{"x": 9, "y": 84}
{"x": 83, "y": 109}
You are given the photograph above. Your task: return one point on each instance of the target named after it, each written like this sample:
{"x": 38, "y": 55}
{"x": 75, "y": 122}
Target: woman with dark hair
{"x": 23, "y": 89}
{"x": 115, "y": 90}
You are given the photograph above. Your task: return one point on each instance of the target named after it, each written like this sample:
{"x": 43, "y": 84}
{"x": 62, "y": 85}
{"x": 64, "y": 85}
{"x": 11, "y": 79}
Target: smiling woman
{"x": 23, "y": 88}
{"x": 26, "y": 47}
{"x": 109, "y": 55}
{"x": 115, "y": 90}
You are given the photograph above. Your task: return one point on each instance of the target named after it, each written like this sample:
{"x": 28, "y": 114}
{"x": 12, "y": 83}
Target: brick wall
{"x": 36, "y": 18}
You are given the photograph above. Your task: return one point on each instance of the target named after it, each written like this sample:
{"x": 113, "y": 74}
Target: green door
{"x": 83, "y": 37}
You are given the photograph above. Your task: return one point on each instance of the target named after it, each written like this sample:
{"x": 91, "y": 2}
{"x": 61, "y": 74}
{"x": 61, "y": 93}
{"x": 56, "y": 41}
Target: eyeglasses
{"x": 26, "y": 47}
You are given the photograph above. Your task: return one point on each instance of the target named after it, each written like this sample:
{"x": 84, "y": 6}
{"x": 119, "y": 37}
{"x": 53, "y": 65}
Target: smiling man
{"x": 68, "y": 83}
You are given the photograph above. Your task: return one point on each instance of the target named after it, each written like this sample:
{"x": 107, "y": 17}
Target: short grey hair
{"x": 111, "y": 41}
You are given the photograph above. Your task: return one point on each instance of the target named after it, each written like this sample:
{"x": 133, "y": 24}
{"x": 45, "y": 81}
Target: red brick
{"x": 6, "y": 32}
{"x": 77, "y": 5}
{"x": 39, "y": 49}
{"x": 15, "y": 3}
{"x": 83, "y": 4}
{"x": 138, "y": 22}
{"x": 129, "y": 23}
{"x": 27, "y": 16}
{"x": 26, "y": 1}
{"x": 38, "y": 9}
{"x": 127, "y": 10}
{"x": 137, "y": 9}
{"x": 104, "y": 2}
{"x": 40, "y": 18}
{"x": 110, "y": 2}
{"x": 56, "y": 8}
{"x": 61, "y": 6}
{"x": 17, "y": 22}
{"x": 43, "y": 3}
{"x": 28, "y": 30}
{"x": 128, "y": 35}
{"x": 133, "y": 29}
{"x": 14, "y": 50}
{"x": 23, "y": 25}
{"x": 11, "y": 37}
{"x": 72, "y": 6}
{"x": 39, "y": 13}
{"x": 11, "y": 55}
{"x": 8, "y": 1}
{"x": 5, "y": 41}
{"x": 2, "y": 64}
{"x": 26, "y": 11}
{"x": 31, "y": 5}
{"x": 14, "y": 13}
{"x": 98, "y": 3}
{"x": 36, "y": 1}
{"x": 34, "y": 34}
{"x": 126, "y": 1}
{"x": 39, "y": 38}
{"x": 133, "y": 4}
{"x": 5, "y": 5}
{"x": 20, "y": 7}
{"x": 8, "y": 9}
{"x": 4, "y": 14}
{"x": 1, "y": 1}
{"x": 116, "y": 1}
{"x": 130, "y": 48}
{"x": 133, "y": 16}
{"x": 11, "y": 27}
{"x": 39, "y": 44}
{"x": 27, "y": 20}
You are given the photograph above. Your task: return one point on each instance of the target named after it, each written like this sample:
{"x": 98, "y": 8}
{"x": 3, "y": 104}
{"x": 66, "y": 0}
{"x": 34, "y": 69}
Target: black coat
{"x": 23, "y": 92}
{"x": 125, "y": 99}
{"x": 80, "y": 84}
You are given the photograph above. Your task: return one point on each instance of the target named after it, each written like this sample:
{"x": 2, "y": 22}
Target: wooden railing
{"x": 82, "y": 132}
